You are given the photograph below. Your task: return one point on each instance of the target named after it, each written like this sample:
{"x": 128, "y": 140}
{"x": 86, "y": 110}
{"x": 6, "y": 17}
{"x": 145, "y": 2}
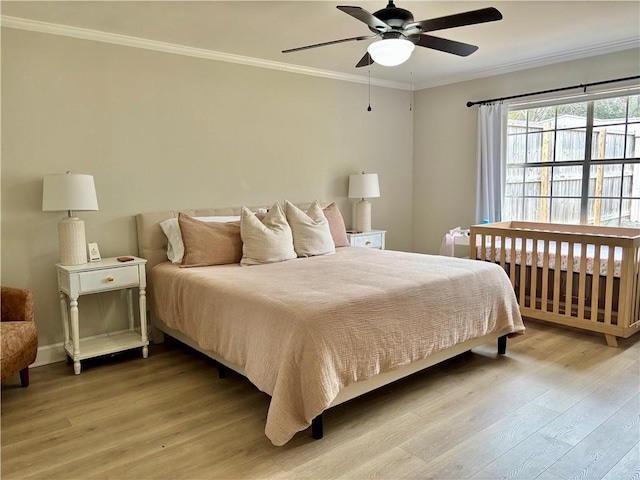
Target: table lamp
{"x": 70, "y": 191}
{"x": 363, "y": 186}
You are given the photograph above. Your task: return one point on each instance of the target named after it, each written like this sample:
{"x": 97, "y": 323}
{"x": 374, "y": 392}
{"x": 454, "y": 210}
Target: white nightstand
{"x": 461, "y": 241}
{"x": 370, "y": 239}
{"x": 96, "y": 277}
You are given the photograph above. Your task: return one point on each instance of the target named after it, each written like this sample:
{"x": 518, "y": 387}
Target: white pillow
{"x": 266, "y": 241}
{"x": 311, "y": 232}
{"x": 171, "y": 228}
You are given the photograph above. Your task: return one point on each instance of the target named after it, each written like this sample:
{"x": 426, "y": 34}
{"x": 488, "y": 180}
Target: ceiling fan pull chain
{"x": 369, "y": 107}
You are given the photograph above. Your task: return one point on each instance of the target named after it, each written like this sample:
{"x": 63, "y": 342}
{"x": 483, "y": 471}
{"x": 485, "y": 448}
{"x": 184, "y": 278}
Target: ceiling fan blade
{"x": 458, "y": 20}
{"x": 365, "y": 61}
{"x": 352, "y": 39}
{"x": 366, "y": 17}
{"x": 444, "y": 45}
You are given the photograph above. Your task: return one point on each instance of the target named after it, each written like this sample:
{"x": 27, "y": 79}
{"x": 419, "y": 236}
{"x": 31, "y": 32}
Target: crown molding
{"x": 136, "y": 42}
{"x": 98, "y": 36}
{"x": 538, "y": 62}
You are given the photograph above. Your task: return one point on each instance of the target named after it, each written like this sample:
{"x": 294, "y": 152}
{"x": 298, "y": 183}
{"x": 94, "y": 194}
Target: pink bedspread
{"x": 304, "y": 329}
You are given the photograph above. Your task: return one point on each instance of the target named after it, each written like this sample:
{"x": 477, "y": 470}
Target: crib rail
{"x": 583, "y": 276}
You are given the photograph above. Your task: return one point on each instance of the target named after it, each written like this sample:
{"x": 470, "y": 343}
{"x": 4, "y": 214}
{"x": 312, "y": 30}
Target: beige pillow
{"x": 336, "y": 225}
{"x": 209, "y": 243}
{"x": 311, "y": 233}
{"x": 266, "y": 241}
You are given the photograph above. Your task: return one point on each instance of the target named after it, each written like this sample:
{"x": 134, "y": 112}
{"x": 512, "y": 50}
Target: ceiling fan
{"x": 399, "y": 33}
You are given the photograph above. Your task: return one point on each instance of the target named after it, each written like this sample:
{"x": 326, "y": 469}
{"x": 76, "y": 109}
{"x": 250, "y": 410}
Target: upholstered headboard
{"x": 152, "y": 242}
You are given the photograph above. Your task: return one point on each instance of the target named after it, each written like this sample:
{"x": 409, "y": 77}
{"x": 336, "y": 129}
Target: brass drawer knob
{"x": 368, "y": 242}
{"x": 110, "y": 279}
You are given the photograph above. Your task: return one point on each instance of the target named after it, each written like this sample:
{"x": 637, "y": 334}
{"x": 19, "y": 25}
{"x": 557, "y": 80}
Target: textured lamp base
{"x": 72, "y": 241}
{"x": 363, "y": 216}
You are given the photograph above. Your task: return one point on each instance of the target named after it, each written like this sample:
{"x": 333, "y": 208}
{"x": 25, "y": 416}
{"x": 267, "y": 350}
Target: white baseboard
{"x": 49, "y": 354}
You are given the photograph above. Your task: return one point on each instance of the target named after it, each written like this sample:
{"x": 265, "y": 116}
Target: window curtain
{"x": 492, "y": 146}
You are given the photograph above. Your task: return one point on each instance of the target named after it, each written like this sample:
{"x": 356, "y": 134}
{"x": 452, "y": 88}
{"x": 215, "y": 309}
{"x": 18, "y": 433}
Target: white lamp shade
{"x": 364, "y": 186}
{"x": 391, "y": 51}
{"x": 68, "y": 191}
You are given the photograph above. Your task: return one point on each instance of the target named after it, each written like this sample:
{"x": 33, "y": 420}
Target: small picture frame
{"x": 94, "y": 253}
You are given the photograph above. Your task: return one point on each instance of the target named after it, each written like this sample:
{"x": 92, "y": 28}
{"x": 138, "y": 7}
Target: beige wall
{"x": 161, "y": 131}
{"x": 444, "y": 181}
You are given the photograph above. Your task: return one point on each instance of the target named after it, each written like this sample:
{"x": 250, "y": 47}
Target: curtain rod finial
{"x": 470, "y": 104}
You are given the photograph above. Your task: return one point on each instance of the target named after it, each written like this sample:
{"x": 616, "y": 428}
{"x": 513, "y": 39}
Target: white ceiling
{"x": 530, "y": 34}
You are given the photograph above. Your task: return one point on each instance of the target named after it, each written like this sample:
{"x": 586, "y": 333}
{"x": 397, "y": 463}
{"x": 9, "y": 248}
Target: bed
{"x": 315, "y": 332}
{"x": 581, "y": 276}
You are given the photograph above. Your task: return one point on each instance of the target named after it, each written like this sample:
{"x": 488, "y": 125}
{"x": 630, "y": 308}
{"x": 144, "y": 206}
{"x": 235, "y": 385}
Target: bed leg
{"x": 222, "y": 371}
{"x": 157, "y": 336}
{"x": 317, "y": 430}
{"x": 612, "y": 340}
{"x": 502, "y": 345}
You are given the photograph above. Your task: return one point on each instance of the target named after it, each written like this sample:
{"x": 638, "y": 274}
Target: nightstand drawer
{"x": 372, "y": 241}
{"x": 108, "y": 278}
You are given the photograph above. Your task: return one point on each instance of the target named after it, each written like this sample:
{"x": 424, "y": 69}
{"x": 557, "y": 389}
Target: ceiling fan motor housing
{"x": 393, "y": 16}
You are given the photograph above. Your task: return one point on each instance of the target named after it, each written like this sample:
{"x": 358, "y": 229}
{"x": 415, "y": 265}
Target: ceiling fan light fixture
{"x": 391, "y": 51}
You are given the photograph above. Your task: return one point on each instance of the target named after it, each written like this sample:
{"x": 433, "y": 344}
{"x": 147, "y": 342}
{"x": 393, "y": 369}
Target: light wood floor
{"x": 560, "y": 405}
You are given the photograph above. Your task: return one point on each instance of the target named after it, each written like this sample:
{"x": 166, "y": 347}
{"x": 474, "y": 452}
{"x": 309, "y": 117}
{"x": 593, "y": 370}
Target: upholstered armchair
{"x": 18, "y": 333}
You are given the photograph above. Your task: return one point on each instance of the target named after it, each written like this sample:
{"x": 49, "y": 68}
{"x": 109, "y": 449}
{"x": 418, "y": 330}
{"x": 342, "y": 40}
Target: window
{"x": 575, "y": 163}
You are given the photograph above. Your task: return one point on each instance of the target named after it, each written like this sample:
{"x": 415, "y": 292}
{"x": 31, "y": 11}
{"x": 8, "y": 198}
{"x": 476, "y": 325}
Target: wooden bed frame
{"x": 609, "y": 305}
{"x": 152, "y": 244}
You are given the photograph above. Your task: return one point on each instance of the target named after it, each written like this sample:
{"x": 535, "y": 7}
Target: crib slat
{"x": 545, "y": 275}
{"x": 503, "y": 251}
{"x": 582, "y": 280}
{"x": 608, "y": 292}
{"x": 595, "y": 284}
{"x": 533, "y": 284}
{"x": 493, "y": 246}
{"x": 523, "y": 271}
{"x": 483, "y": 248}
{"x": 632, "y": 286}
{"x": 556, "y": 278}
{"x": 636, "y": 311}
{"x": 568, "y": 295}
{"x": 512, "y": 262}
{"x": 625, "y": 278}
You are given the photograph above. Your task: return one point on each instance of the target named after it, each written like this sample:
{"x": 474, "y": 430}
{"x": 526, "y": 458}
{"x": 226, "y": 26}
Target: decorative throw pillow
{"x": 336, "y": 225}
{"x": 266, "y": 241}
{"x": 171, "y": 228}
{"x": 209, "y": 243}
{"x": 311, "y": 233}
